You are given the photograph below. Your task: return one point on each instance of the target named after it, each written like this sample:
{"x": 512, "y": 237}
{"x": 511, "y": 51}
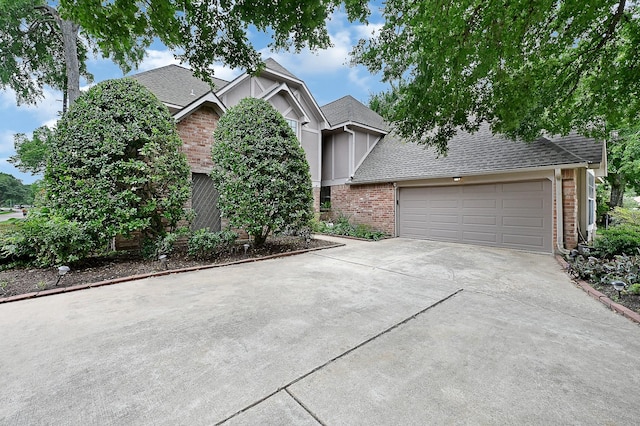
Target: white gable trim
{"x": 269, "y": 71}
{"x": 210, "y": 99}
{"x": 294, "y": 102}
{"x": 356, "y": 124}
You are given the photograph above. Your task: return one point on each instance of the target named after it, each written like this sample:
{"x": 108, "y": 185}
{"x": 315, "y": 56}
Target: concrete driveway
{"x": 398, "y": 332}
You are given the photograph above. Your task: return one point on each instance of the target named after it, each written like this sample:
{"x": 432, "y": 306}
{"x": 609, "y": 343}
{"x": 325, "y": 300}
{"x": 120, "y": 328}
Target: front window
{"x": 294, "y": 126}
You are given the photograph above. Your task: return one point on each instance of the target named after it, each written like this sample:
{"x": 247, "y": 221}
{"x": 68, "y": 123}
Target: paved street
{"x": 398, "y": 332}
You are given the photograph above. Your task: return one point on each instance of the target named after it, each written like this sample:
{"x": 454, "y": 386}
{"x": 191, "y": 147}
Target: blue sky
{"x": 326, "y": 73}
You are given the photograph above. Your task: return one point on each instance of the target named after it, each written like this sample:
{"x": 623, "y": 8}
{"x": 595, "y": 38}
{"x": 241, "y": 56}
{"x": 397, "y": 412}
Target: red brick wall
{"x": 570, "y": 208}
{"x": 368, "y": 204}
{"x": 316, "y": 199}
{"x": 196, "y": 132}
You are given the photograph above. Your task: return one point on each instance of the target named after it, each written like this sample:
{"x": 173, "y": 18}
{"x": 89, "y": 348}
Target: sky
{"x": 327, "y": 74}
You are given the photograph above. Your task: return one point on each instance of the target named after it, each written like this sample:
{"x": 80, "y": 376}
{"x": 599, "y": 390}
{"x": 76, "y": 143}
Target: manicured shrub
{"x": 261, "y": 171}
{"x": 619, "y": 239}
{"x": 46, "y": 240}
{"x": 204, "y": 244}
{"x": 115, "y": 165}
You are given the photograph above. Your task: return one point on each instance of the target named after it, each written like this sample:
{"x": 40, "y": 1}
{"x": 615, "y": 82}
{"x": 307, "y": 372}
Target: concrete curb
{"x": 61, "y": 290}
{"x": 616, "y": 307}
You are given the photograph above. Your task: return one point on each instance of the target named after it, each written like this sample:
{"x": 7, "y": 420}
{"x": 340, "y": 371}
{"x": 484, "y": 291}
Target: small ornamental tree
{"x": 260, "y": 171}
{"x": 115, "y": 163}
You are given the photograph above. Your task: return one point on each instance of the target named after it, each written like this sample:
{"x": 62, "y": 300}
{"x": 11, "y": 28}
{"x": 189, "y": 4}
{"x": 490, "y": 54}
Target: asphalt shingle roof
{"x": 348, "y": 109}
{"x": 176, "y": 85}
{"x": 275, "y": 66}
{"x": 393, "y": 159}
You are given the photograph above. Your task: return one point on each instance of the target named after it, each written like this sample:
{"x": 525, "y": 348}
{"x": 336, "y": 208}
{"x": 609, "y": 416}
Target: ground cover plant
{"x": 342, "y": 226}
{"x": 614, "y": 257}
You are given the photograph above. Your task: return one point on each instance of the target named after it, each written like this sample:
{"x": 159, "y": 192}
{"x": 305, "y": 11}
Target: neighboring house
{"x": 488, "y": 190}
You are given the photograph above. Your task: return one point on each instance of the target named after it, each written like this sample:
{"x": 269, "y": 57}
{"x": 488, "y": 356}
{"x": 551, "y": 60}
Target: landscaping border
{"x": 616, "y": 307}
{"x": 61, "y": 290}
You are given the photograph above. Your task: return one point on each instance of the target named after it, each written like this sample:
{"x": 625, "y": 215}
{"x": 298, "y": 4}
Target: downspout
{"x": 559, "y": 213}
{"x": 352, "y": 154}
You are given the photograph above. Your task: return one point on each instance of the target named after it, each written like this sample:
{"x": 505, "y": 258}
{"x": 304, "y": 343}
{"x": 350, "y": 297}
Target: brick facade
{"x": 570, "y": 208}
{"x": 196, "y": 132}
{"x": 367, "y": 204}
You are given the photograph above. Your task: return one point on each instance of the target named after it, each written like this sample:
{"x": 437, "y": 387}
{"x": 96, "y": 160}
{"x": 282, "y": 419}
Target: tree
{"x": 526, "y": 67}
{"x": 205, "y": 31}
{"x": 31, "y": 154}
{"x": 39, "y": 49}
{"x": 40, "y": 43}
{"x": 623, "y": 155}
{"x": 260, "y": 171}
{"x": 115, "y": 164}
{"x": 12, "y": 191}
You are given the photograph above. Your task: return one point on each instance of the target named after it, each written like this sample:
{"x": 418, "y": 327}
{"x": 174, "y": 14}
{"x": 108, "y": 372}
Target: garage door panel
{"x": 443, "y": 204}
{"x": 522, "y": 203}
{"x": 437, "y": 219}
{"x": 530, "y": 186}
{"x": 523, "y": 240}
{"x": 475, "y": 237}
{"x": 479, "y": 220}
{"x": 523, "y": 222}
{"x": 444, "y": 234}
{"x": 488, "y": 203}
{"x": 477, "y": 189}
{"x": 513, "y": 214}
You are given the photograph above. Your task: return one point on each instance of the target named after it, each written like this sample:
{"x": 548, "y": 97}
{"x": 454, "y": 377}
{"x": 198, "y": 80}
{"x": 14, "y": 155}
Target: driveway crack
{"x": 336, "y": 358}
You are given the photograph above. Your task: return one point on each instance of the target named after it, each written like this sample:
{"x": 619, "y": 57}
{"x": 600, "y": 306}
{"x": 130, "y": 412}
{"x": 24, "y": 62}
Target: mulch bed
{"x": 28, "y": 280}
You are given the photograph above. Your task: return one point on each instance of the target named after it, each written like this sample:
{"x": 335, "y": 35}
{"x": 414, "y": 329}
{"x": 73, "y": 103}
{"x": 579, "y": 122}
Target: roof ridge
{"x": 565, "y": 150}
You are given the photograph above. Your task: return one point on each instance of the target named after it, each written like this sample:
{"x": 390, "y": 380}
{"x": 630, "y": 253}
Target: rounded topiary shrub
{"x": 115, "y": 164}
{"x": 261, "y": 172}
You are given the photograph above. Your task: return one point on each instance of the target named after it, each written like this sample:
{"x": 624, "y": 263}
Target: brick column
{"x": 570, "y": 208}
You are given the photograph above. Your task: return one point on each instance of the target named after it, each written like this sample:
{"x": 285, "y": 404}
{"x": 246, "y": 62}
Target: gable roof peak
{"x": 348, "y": 109}
{"x": 273, "y": 65}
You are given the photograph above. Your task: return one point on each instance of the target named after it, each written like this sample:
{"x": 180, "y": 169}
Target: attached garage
{"x": 513, "y": 215}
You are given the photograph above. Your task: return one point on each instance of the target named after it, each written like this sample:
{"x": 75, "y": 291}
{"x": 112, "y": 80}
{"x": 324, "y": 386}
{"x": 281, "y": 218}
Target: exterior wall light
{"x": 457, "y": 179}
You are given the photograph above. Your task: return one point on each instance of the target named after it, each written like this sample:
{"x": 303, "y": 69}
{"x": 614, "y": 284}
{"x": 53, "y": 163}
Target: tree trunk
{"x": 70, "y": 40}
{"x": 69, "y": 32}
{"x": 618, "y": 184}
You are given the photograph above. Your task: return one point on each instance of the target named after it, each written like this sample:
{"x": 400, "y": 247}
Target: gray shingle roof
{"x": 275, "y": 66}
{"x": 348, "y": 109}
{"x": 176, "y": 85}
{"x": 480, "y": 153}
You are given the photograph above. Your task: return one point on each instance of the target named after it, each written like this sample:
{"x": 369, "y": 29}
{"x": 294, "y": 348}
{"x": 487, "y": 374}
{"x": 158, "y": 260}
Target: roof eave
{"x": 480, "y": 173}
{"x": 355, "y": 123}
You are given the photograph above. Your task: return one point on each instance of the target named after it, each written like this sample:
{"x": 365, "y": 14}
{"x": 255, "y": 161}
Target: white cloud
{"x": 220, "y": 71}
{"x": 363, "y": 82}
{"x": 6, "y": 142}
{"x": 156, "y": 59}
{"x": 47, "y": 109}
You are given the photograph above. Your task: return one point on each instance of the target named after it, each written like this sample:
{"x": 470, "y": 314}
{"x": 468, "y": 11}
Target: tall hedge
{"x": 115, "y": 164}
{"x": 260, "y": 171}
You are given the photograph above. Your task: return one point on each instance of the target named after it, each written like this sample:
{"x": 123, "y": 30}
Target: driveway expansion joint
{"x": 338, "y": 357}
{"x": 305, "y": 408}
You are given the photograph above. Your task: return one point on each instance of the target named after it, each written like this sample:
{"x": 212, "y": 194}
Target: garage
{"x": 512, "y": 214}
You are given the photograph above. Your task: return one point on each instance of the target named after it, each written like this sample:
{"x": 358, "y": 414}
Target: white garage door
{"x": 514, "y": 215}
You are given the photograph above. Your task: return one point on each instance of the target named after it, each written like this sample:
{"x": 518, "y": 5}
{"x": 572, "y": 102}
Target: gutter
{"x": 471, "y": 173}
